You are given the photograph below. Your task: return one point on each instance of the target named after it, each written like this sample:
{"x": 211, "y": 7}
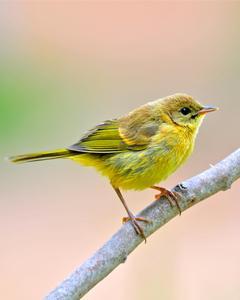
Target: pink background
{"x": 66, "y": 66}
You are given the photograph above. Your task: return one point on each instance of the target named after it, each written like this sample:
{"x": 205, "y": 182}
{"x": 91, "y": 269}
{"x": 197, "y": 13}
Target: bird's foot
{"x": 126, "y": 219}
{"x": 138, "y": 229}
{"x": 172, "y": 197}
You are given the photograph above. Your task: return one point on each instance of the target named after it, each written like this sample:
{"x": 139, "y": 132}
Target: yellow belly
{"x": 141, "y": 169}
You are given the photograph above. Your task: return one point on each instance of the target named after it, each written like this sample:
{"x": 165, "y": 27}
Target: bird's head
{"x": 183, "y": 110}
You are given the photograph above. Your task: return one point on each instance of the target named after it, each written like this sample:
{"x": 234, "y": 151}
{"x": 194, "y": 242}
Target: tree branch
{"x": 124, "y": 241}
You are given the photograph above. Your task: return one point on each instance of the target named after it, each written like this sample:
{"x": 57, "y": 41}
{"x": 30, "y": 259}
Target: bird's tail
{"x": 60, "y": 153}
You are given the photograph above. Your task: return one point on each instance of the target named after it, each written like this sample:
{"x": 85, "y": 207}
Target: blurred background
{"x": 65, "y": 67}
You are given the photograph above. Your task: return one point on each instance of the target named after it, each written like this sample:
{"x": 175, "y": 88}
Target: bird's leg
{"x": 131, "y": 216}
{"x": 171, "y": 196}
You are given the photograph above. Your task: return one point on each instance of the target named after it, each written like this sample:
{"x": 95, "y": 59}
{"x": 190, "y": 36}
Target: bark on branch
{"x": 116, "y": 250}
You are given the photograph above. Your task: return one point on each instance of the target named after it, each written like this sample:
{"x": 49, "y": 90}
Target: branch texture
{"x": 115, "y": 251}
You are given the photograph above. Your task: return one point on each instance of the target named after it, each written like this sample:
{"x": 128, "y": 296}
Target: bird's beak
{"x": 207, "y": 109}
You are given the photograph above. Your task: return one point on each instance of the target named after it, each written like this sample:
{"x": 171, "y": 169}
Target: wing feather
{"x": 133, "y": 132}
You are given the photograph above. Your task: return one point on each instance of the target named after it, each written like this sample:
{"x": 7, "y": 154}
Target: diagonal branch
{"x": 123, "y": 242}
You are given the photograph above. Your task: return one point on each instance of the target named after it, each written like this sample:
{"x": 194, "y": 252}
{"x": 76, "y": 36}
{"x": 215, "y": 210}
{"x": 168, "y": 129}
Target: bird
{"x": 138, "y": 150}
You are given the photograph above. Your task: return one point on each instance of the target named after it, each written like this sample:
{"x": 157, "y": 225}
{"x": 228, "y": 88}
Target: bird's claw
{"x": 138, "y": 229}
{"x": 172, "y": 197}
{"x": 126, "y": 219}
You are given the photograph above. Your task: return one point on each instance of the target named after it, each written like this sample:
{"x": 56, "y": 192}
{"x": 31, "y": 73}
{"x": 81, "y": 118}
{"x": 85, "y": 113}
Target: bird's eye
{"x": 185, "y": 111}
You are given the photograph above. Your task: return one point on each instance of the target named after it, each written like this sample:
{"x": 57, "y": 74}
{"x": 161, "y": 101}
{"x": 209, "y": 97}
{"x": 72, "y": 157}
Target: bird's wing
{"x": 114, "y": 136}
{"x": 104, "y": 138}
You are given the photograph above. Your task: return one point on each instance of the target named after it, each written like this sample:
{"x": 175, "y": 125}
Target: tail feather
{"x": 29, "y": 157}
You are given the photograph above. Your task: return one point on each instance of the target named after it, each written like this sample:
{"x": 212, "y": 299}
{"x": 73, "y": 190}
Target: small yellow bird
{"x": 140, "y": 149}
